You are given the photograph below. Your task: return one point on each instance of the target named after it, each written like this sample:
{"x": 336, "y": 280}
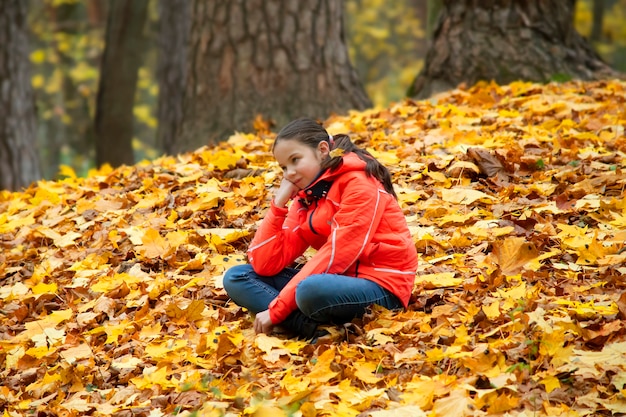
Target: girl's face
{"x": 300, "y": 163}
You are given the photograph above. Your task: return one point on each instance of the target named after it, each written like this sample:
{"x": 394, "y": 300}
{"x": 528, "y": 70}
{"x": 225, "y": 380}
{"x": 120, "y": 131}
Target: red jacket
{"x": 357, "y": 228}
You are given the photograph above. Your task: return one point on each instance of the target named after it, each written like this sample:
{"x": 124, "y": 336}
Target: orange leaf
{"x": 513, "y": 253}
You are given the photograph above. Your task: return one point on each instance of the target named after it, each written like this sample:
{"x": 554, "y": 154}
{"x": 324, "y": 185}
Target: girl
{"x": 344, "y": 206}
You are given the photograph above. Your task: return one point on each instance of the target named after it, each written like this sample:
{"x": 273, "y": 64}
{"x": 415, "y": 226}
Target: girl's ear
{"x": 324, "y": 148}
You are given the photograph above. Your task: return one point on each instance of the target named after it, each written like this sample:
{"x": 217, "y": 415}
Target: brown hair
{"x": 311, "y": 133}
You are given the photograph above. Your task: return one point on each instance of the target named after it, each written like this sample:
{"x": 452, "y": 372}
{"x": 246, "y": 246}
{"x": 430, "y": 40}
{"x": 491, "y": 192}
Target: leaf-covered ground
{"x": 110, "y": 286}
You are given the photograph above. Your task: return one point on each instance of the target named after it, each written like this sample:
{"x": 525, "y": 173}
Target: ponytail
{"x": 373, "y": 168}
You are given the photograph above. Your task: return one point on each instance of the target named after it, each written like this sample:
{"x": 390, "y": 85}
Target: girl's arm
{"x": 277, "y": 243}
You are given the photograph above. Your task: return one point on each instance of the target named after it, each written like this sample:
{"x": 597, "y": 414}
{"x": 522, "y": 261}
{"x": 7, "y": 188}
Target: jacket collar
{"x": 320, "y": 185}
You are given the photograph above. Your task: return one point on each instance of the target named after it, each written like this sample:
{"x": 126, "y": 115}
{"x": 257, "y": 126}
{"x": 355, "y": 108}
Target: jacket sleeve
{"x": 360, "y": 211}
{"x": 276, "y": 243}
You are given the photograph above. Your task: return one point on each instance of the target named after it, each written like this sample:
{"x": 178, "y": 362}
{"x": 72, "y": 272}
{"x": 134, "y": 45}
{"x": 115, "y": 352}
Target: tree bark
{"x": 19, "y": 160}
{"x": 505, "y": 41}
{"x": 174, "y": 27}
{"x": 280, "y": 59}
{"x": 118, "y": 82}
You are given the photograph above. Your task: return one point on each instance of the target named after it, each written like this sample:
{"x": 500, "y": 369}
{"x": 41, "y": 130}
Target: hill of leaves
{"x": 110, "y": 286}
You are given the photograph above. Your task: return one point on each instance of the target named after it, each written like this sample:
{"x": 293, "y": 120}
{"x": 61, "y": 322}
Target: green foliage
{"x": 560, "y": 77}
{"x": 65, "y": 53}
{"x": 612, "y": 44}
{"x": 387, "y": 42}
{"x": 67, "y": 46}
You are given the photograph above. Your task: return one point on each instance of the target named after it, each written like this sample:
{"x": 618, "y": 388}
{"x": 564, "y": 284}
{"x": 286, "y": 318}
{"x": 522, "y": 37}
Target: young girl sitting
{"x": 345, "y": 207}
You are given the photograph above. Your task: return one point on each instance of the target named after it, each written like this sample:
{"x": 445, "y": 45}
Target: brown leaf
{"x": 488, "y": 163}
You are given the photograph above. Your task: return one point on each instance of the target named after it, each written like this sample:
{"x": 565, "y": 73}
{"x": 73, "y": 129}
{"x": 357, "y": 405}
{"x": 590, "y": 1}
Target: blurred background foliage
{"x": 387, "y": 41}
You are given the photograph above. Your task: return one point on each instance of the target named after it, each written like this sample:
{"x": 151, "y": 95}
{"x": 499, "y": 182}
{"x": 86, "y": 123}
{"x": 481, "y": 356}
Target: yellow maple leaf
{"x": 465, "y": 196}
{"x": 321, "y": 371}
{"x": 492, "y": 311}
{"x": 589, "y": 309}
{"x": 41, "y": 351}
{"x": 191, "y": 313}
{"x": 114, "y": 331}
{"x": 155, "y": 376}
{"x": 420, "y": 392}
{"x": 150, "y": 331}
{"x": 50, "y": 382}
{"x": 267, "y": 343}
{"x": 37, "y": 327}
{"x": 591, "y": 250}
{"x": 513, "y": 253}
{"x": 154, "y": 245}
{"x": 366, "y": 371}
{"x": 438, "y": 280}
{"x": 457, "y": 404}
{"x": 67, "y": 171}
{"x": 42, "y": 288}
{"x": 551, "y": 383}
{"x": 107, "y": 284}
{"x": 48, "y": 193}
{"x": 11, "y": 223}
{"x": 496, "y": 401}
{"x": 165, "y": 349}
{"x": 294, "y": 384}
{"x": 75, "y": 353}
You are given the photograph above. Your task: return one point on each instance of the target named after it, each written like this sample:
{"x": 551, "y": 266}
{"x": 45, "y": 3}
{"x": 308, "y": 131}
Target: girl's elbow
{"x": 266, "y": 269}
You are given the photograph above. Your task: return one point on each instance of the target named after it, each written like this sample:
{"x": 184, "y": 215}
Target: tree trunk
{"x": 506, "y": 40}
{"x": 118, "y": 82}
{"x": 19, "y": 161}
{"x": 597, "y": 19}
{"x": 96, "y": 12}
{"x": 174, "y": 26}
{"x": 280, "y": 59}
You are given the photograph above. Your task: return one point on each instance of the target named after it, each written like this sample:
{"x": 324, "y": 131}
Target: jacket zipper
{"x": 311, "y": 220}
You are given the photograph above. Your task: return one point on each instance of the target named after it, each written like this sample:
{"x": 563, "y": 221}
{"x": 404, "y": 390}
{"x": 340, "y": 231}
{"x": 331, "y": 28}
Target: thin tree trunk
{"x": 96, "y": 12}
{"x": 506, "y": 40}
{"x": 174, "y": 27}
{"x": 434, "y": 8}
{"x": 19, "y": 161}
{"x": 78, "y": 135}
{"x": 118, "y": 81}
{"x": 279, "y": 59}
{"x": 597, "y": 18}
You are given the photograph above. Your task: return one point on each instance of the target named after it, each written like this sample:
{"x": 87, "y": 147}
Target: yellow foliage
{"x": 111, "y": 283}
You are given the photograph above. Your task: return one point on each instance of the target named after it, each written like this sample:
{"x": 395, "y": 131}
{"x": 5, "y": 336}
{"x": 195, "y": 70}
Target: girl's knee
{"x": 234, "y": 275}
{"x": 310, "y": 294}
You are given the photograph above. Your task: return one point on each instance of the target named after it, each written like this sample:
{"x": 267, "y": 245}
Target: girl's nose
{"x": 290, "y": 172}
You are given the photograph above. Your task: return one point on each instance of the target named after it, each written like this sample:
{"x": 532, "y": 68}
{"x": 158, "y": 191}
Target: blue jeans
{"x": 321, "y": 298}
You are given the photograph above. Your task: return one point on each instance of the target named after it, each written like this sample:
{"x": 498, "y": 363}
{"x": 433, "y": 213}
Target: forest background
{"x": 387, "y": 43}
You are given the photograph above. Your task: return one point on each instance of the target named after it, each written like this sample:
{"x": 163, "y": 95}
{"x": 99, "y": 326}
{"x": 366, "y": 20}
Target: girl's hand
{"x": 263, "y": 322}
{"x": 286, "y": 192}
